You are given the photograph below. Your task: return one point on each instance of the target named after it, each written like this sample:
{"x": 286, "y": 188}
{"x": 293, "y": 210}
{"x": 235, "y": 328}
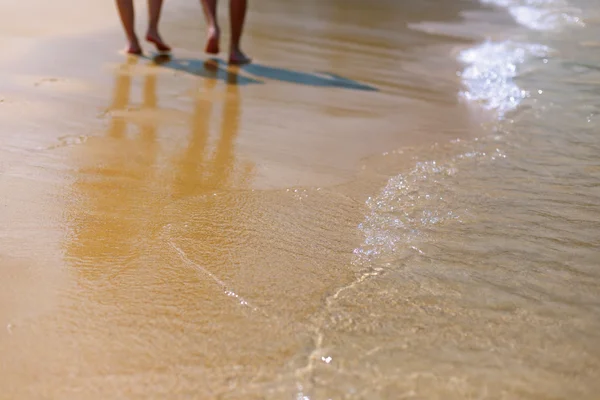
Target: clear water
{"x": 481, "y": 270}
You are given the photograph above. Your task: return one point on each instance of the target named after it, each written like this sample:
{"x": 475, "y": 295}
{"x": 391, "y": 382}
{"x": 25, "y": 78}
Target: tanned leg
{"x": 237, "y": 16}
{"x": 154, "y": 8}
{"x": 127, "y": 14}
{"x": 214, "y": 32}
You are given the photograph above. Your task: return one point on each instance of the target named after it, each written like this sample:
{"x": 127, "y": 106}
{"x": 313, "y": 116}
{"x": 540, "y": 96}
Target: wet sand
{"x": 173, "y": 229}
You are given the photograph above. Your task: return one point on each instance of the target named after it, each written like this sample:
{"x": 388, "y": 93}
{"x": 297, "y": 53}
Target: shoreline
{"x": 52, "y": 94}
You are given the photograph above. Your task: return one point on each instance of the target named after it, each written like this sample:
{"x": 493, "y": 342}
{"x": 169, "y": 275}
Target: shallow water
{"x": 481, "y": 270}
{"x": 213, "y": 240}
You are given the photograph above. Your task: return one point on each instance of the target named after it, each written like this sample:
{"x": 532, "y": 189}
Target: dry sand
{"x": 170, "y": 231}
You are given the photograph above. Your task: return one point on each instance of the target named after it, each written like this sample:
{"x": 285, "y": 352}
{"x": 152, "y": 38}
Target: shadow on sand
{"x": 217, "y": 69}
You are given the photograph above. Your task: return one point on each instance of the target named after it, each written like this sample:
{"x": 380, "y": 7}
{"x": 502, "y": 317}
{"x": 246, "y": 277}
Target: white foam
{"x": 541, "y": 15}
{"x": 489, "y": 73}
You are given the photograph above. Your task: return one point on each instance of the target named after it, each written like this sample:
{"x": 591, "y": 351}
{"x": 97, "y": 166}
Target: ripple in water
{"x": 479, "y": 273}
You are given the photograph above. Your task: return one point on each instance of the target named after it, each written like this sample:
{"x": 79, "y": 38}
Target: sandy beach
{"x": 174, "y": 229}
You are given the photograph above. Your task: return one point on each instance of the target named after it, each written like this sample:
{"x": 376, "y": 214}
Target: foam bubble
{"x": 489, "y": 73}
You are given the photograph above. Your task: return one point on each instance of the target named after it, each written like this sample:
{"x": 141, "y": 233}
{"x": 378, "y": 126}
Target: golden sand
{"x": 170, "y": 230}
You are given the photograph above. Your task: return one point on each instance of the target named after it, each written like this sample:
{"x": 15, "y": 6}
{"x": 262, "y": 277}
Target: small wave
{"x": 489, "y": 72}
{"x": 541, "y": 15}
{"x": 405, "y": 209}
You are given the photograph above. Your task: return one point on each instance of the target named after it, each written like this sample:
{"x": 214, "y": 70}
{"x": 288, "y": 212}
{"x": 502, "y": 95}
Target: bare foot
{"x": 154, "y": 38}
{"x": 212, "y": 44}
{"x": 237, "y": 57}
{"x": 134, "y": 48}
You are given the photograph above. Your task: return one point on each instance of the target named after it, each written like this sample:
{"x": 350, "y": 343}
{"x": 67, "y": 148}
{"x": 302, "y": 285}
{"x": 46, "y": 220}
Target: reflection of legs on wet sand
{"x": 123, "y": 114}
{"x": 223, "y": 157}
{"x": 148, "y": 128}
{"x": 111, "y": 213}
{"x": 196, "y": 172}
{"x": 122, "y": 88}
{"x": 121, "y": 102}
{"x": 237, "y": 17}
{"x": 192, "y": 163}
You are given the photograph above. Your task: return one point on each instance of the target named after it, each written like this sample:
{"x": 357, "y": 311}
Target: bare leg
{"x": 237, "y": 16}
{"x": 127, "y": 14}
{"x": 214, "y": 32}
{"x": 154, "y": 7}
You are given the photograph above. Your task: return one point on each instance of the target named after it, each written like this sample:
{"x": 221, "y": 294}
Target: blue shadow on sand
{"x": 217, "y": 69}
{"x": 205, "y": 69}
{"x": 322, "y": 79}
